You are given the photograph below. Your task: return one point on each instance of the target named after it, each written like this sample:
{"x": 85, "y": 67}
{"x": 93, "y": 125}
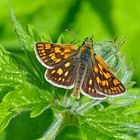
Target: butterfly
{"x": 69, "y": 66}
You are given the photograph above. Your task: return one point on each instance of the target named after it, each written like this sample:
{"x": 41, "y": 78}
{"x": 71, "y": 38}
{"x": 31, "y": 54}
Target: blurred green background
{"x": 106, "y": 19}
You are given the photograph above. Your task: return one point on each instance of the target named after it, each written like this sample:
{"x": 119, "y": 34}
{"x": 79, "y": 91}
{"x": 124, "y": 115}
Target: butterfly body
{"x": 83, "y": 59}
{"x": 79, "y": 76}
{"x": 78, "y": 68}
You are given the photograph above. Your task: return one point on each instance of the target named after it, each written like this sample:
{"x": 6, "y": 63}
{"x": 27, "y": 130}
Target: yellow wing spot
{"x": 73, "y": 47}
{"x": 105, "y": 90}
{"x": 100, "y": 66}
{"x": 92, "y": 89}
{"x": 96, "y": 69}
{"x": 107, "y": 75}
{"x": 115, "y": 88}
{"x": 51, "y": 54}
{"x": 89, "y": 88}
{"x": 112, "y": 88}
{"x": 66, "y": 73}
{"x": 40, "y": 45}
{"x": 115, "y": 81}
{"x": 57, "y": 50}
{"x": 53, "y": 57}
{"x": 121, "y": 87}
{"x": 40, "y": 48}
{"x": 90, "y": 81}
{"x": 67, "y": 64}
{"x": 59, "y": 71}
{"x": 59, "y": 78}
{"x": 57, "y": 60}
{"x": 107, "y": 83}
{"x": 118, "y": 89}
{"x": 47, "y": 46}
{"x": 53, "y": 71}
{"x": 98, "y": 80}
{"x": 46, "y": 60}
{"x": 103, "y": 82}
{"x": 44, "y": 57}
{"x": 67, "y": 51}
{"x": 101, "y": 61}
{"x": 66, "y": 56}
{"x": 63, "y": 80}
{"x": 101, "y": 72}
{"x": 41, "y": 54}
{"x": 42, "y": 51}
{"x": 109, "y": 91}
{"x": 62, "y": 53}
{"x": 113, "y": 91}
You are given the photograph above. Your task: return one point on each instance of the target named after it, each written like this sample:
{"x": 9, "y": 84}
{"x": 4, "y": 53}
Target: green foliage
{"x": 115, "y": 121}
{"x": 18, "y": 82}
{"x": 23, "y": 89}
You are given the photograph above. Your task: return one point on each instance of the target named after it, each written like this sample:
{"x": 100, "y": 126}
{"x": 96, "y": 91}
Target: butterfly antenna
{"x": 73, "y": 33}
{"x": 92, "y": 36}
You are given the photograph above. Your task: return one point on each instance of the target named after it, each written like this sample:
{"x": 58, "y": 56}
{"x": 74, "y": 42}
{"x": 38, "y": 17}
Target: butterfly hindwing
{"x": 87, "y": 87}
{"x": 63, "y": 75}
{"x": 51, "y": 55}
{"x": 105, "y": 81}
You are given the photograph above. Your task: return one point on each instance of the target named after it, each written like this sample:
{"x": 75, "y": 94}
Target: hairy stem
{"x": 54, "y": 129}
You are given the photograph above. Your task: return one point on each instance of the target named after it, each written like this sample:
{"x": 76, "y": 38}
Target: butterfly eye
{"x": 88, "y": 41}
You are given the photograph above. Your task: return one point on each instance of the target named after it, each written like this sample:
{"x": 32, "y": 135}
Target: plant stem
{"x": 85, "y": 107}
{"x": 54, "y": 129}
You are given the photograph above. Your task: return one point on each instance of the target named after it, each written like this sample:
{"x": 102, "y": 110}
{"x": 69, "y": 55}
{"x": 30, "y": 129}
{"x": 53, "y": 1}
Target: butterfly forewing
{"x": 105, "y": 81}
{"x": 64, "y": 74}
{"x": 51, "y": 55}
{"x": 88, "y": 85}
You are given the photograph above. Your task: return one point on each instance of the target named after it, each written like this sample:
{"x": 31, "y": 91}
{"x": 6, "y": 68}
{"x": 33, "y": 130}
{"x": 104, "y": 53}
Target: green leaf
{"x": 27, "y": 40}
{"x": 37, "y": 110}
{"x": 117, "y": 121}
{"x": 10, "y": 73}
{"x": 21, "y": 77}
{"x": 25, "y": 97}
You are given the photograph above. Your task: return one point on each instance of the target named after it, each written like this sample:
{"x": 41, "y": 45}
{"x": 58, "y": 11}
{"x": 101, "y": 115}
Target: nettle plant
{"x": 24, "y": 88}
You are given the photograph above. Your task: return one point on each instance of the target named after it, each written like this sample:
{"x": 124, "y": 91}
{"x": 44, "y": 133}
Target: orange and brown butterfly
{"x": 69, "y": 66}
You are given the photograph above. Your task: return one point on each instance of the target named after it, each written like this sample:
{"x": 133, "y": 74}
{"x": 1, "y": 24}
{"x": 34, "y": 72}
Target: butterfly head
{"x": 86, "y": 50}
{"x": 88, "y": 42}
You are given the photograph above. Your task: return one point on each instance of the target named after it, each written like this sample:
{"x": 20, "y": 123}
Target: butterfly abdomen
{"x": 79, "y": 79}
